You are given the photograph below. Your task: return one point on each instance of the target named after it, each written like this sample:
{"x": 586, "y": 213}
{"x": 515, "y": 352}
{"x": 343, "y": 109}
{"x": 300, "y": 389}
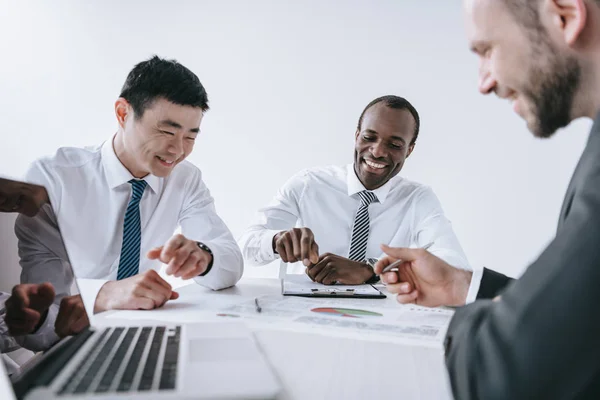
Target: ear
{"x": 356, "y": 134}
{"x": 570, "y": 17}
{"x": 122, "y": 111}
{"x": 410, "y": 150}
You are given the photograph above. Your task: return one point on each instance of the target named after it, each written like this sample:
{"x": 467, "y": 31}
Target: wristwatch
{"x": 212, "y": 258}
{"x": 371, "y": 263}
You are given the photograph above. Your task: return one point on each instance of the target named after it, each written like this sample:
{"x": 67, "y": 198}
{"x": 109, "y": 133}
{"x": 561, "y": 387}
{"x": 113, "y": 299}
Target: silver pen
{"x": 394, "y": 265}
{"x": 257, "y": 307}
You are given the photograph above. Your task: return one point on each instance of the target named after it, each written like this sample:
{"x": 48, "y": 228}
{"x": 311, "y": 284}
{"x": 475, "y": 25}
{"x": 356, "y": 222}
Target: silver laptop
{"x": 210, "y": 360}
{"x": 6, "y": 390}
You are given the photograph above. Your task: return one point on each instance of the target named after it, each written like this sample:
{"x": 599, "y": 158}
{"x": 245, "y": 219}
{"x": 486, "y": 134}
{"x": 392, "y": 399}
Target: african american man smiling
{"x": 333, "y": 219}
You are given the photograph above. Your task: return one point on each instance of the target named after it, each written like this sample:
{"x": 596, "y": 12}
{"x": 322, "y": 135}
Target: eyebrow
{"x": 176, "y": 125}
{"x": 371, "y": 131}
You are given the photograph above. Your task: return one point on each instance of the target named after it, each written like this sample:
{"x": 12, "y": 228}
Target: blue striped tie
{"x": 129, "y": 263}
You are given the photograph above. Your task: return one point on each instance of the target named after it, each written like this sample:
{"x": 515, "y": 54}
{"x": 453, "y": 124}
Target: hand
{"x": 183, "y": 257}
{"x": 332, "y": 268}
{"x": 27, "y": 307}
{"x": 423, "y": 278}
{"x": 297, "y": 244}
{"x": 71, "y": 318}
{"x": 21, "y": 197}
{"x": 143, "y": 291}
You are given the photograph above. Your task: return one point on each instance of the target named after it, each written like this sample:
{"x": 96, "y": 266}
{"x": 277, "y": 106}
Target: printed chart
{"x": 346, "y": 312}
{"x": 356, "y": 318}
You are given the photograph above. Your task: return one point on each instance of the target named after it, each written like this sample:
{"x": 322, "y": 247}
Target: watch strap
{"x": 212, "y": 258}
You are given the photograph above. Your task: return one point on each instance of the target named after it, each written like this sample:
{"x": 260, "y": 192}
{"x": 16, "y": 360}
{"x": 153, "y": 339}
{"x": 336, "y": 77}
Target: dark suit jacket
{"x": 492, "y": 284}
{"x": 542, "y": 340}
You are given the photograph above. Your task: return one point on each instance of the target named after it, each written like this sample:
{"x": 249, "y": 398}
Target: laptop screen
{"x": 33, "y": 251}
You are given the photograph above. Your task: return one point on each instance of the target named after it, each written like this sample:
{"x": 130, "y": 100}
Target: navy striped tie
{"x": 360, "y": 230}
{"x": 129, "y": 263}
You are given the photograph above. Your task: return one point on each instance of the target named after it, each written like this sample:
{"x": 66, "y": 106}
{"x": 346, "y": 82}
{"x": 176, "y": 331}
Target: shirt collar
{"x": 355, "y": 185}
{"x": 117, "y": 174}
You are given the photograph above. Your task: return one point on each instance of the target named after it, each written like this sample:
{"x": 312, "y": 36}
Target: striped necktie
{"x": 360, "y": 230}
{"x": 129, "y": 263}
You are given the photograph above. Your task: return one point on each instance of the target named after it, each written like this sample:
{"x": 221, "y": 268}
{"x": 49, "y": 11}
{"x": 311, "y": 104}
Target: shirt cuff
{"x": 89, "y": 289}
{"x": 474, "y": 285}
{"x": 227, "y": 268}
{"x": 266, "y": 245}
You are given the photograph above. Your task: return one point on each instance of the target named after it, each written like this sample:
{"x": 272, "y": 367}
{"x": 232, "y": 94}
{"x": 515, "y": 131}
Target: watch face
{"x": 204, "y": 247}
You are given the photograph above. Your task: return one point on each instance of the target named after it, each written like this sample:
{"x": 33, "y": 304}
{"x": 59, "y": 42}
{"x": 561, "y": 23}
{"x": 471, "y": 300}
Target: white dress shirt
{"x": 89, "y": 192}
{"x": 324, "y": 199}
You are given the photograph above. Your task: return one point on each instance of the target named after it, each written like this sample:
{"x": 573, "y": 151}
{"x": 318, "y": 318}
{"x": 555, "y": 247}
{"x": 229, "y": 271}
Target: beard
{"x": 552, "y": 92}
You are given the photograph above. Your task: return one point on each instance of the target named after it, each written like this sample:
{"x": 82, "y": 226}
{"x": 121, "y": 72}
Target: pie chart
{"x": 346, "y": 312}
{"x": 228, "y": 315}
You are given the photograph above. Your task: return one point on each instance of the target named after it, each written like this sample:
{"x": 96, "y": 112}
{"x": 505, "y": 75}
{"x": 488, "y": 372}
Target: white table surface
{"x": 316, "y": 366}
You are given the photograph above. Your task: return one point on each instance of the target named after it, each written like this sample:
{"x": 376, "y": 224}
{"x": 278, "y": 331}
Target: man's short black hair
{"x": 397, "y": 103}
{"x": 159, "y": 78}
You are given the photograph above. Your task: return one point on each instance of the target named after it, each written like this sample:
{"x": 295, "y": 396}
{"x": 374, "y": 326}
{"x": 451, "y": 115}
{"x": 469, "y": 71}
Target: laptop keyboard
{"x": 169, "y": 369}
{"x": 148, "y": 374}
{"x": 128, "y": 359}
{"x": 134, "y": 361}
{"x": 111, "y": 372}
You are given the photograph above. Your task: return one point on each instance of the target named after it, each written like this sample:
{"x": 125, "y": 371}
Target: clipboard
{"x": 301, "y": 285}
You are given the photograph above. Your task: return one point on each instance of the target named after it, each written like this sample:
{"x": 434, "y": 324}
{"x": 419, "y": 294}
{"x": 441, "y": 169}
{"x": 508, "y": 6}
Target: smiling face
{"x": 383, "y": 142}
{"x": 519, "y": 62}
{"x": 157, "y": 141}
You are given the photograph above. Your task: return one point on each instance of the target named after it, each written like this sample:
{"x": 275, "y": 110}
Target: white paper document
{"x": 296, "y": 284}
{"x": 362, "y": 319}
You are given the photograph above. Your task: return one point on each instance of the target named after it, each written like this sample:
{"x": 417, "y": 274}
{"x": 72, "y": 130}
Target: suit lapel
{"x": 568, "y": 200}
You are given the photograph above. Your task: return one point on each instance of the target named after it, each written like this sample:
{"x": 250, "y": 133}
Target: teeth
{"x": 375, "y": 165}
{"x": 162, "y": 159}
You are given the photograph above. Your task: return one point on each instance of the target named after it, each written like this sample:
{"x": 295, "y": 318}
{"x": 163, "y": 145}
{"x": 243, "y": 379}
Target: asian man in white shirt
{"x": 118, "y": 204}
{"x": 334, "y": 218}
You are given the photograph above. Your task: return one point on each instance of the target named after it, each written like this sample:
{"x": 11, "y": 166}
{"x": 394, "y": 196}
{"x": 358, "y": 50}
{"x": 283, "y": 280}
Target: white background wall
{"x": 287, "y": 82}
